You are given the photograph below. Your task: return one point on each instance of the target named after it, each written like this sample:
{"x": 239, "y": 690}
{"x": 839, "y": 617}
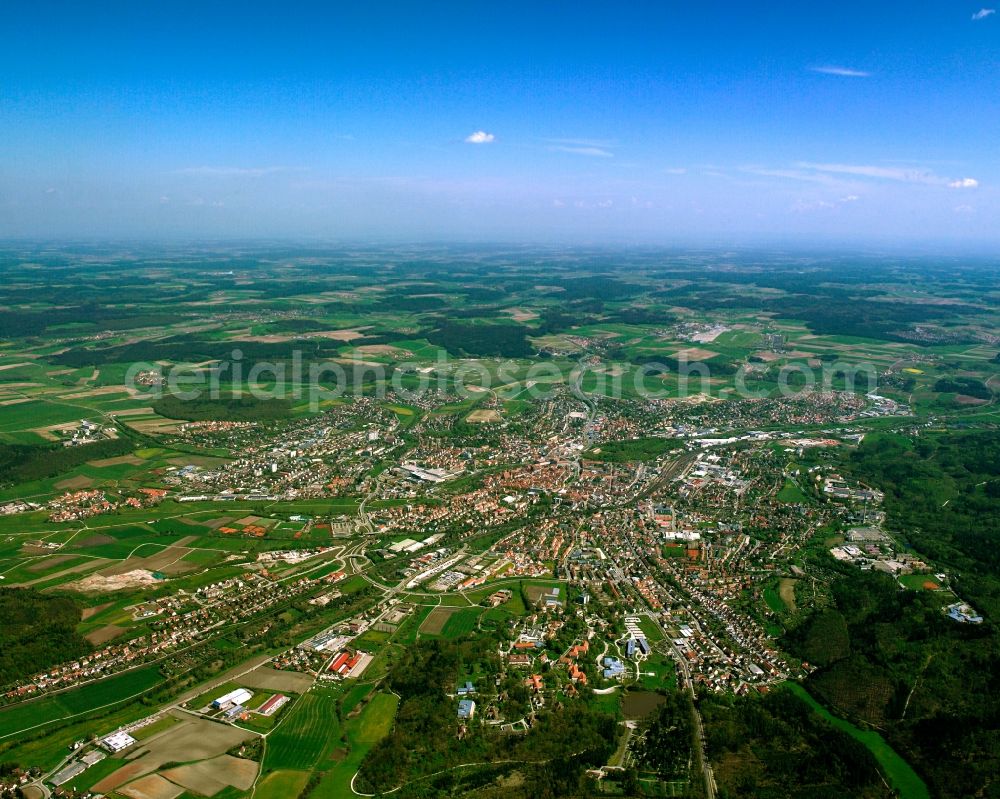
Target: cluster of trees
{"x": 825, "y": 640}
{"x": 715, "y": 366}
{"x": 891, "y": 658}
{"x": 423, "y": 739}
{"x": 20, "y": 323}
{"x": 38, "y": 631}
{"x": 635, "y": 449}
{"x": 969, "y": 386}
{"x": 644, "y": 315}
{"x": 229, "y": 409}
{"x": 599, "y": 287}
{"x": 560, "y": 319}
{"x": 190, "y": 349}
{"x": 399, "y": 301}
{"x": 20, "y": 463}
{"x": 494, "y": 339}
{"x": 829, "y": 311}
{"x": 666, "y": 747}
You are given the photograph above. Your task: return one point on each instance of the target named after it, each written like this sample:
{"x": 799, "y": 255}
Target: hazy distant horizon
{"x": 761, "y": 246}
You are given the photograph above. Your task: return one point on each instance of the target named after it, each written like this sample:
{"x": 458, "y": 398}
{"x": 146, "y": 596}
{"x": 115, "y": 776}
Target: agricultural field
{"x": 437, "y": 620}
{"x": 461, "y": 623}
{"x": 309, "y": 732}
{"x": 21, "y": 718}
{"x": 282, "y": 784}
{"x": 369, "y": 727}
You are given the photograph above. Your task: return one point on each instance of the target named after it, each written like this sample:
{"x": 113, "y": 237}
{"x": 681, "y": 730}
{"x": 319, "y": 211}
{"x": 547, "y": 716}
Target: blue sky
{"x": 669, "y": 122}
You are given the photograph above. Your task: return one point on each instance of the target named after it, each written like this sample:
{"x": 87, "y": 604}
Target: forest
{"x": 228, "y": 409}
{"x": 889, "y": 657}
{"x": 494, "y": 339}
{"x": 20, "y": 463}
{"x": 968, "y": 386}
{"x": 919, "y": 476}
{"x": 190, "y": 349}
{"x": 666, "y": 746}
{"x": 38, "y": 631}
{"x": 773, "y": 746}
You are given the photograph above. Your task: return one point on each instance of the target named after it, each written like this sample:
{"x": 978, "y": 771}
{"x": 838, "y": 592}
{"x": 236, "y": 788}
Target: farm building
{"x": 238, "y": 697}
{"x": 117, "y": 741}
{"x": 67, "y": 773}
{"x": 272, "y": 705}
{"x": 346, "y": 664}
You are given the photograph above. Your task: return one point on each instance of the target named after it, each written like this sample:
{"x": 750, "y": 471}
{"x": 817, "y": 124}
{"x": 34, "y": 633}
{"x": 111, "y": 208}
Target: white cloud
{"x": 595, "y": 148}
{"x": 983, "y": 13}
{"x": 590, "y": 205}
{"x": 595, "y": 152}
{"x": 964, "y": 209}
{"x": 842, "y": 72}
{"x": 675, "y": 170}
{"x": 791, "y": 174}
{"x": 908, "y": 175}
{"x": 901, "y": 174}
{"x": 480, "y": 137}
{"x": 805, "y": 206}
{"x": 583, "y": 142}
